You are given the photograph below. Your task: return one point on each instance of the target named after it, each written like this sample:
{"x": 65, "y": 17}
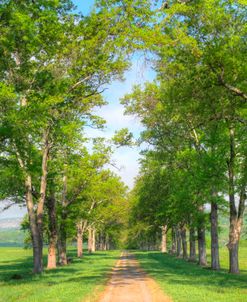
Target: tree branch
{"x": 234, "y": 90}
{"x": 79, "y": 83}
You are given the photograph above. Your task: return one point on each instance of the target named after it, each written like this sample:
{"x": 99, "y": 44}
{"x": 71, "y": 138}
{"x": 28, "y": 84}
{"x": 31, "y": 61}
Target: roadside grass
{"x": 187, "y": 282}
{"x": 79, "y": 281}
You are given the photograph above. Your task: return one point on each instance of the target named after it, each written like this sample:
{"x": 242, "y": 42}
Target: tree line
{"x": 54, "y": 65}
{"x": 194, "y": 114}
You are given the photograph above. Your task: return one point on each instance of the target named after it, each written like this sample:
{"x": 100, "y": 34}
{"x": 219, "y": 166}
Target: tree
{"x": 198, "y": 103}
{"x": 49, "y": 67}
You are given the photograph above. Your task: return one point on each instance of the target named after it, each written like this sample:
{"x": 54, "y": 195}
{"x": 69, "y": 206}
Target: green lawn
{"x": 187, "y": 282}
{"x": 75, "y": 282}
{"x": 183, "y": 281}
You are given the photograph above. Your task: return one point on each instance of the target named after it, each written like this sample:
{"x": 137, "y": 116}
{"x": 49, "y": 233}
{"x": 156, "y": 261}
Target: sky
{"x": 126, "y": 158}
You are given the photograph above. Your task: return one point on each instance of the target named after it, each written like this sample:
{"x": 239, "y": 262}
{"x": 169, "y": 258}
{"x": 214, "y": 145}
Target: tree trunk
{"x": 174, "y": 242}
{"x": 163, "y": 238}
{"x": 105, "y": 245}
{"x": 107, "y": 242}
{"x": 37, "y": 261}
{"x": 89, "y": 242}
{"x": 79, "y": 239}
{"x": 97, "y": 240}
{"x": 34, "y": 229}
{"x": 192, "y": 244}
{"x": 93, "y": 248}
{"x": 62, "y": 244}
{"x": 184, "y": 242}
{"x": 81, "y": 227}
{"x": 202, "y": 246}
{"x": 236, "y": 216}
{"x": 179, "y": 243}
{"x": 233, "y": 259}
{"x": 35, "y": 221}
{"x": 63, "y": 260}
{"x": 51, "y": 205}
{"x": 63, "y": 239}
{"x": 43, "y": 185}
{"x": 233, "y": 245}
{"x": 215, "y": 260}
{"x": 101, "y": 241}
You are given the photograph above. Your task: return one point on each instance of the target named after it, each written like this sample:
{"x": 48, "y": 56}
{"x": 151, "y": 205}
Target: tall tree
{"x": 198, "y": 104}
{"x": 47, "y": 62}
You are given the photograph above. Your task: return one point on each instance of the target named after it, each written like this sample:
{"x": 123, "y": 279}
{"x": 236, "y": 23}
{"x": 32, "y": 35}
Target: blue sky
{"x": 126, "y": 159}
{"x": 84, "y": 6}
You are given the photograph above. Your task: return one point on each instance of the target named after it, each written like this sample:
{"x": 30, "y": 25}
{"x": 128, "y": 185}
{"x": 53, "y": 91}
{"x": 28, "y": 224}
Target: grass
{"x": 83, "y": 279}
{"x": 187, "y": 282}
{"x": 80, "y": 280}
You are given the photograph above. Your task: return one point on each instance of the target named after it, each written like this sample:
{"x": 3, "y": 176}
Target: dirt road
{"x": 130, "y": 284}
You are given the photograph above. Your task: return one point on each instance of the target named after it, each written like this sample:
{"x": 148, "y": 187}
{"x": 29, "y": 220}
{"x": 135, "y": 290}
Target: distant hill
{"x": 10, "y": 233}
{"x": 10, "y": 223}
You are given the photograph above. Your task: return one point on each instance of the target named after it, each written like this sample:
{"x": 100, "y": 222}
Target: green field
{"x": 84, "y": 278}
{"x": 81, "y": 279}
{"x": 187, "y": 282}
